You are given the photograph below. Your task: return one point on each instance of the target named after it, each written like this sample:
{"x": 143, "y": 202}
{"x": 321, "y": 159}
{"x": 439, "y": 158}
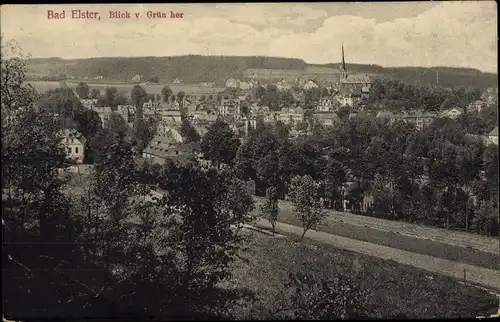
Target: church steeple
{"x": 343, "y": 70}
{"x": 343, "y": 60}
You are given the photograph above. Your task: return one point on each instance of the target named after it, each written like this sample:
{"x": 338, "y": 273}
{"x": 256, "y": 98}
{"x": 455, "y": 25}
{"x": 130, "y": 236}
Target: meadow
{"x": 42, "y": 86}
{"x": 153, "y": 88}
{"x": 395, "y": 290}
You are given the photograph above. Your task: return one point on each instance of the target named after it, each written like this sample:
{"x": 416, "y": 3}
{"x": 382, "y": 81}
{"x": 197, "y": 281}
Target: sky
{"x": 390, "y": 34}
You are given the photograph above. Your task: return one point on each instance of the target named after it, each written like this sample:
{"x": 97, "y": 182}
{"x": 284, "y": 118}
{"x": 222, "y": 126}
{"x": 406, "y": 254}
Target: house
{"x": 470, "y": 138}
{"x": 230, "y": 106}
{"x": 177, "y": 81}
{"x": 103, "y": 112}
{"x": 325, "y": 105}
{"x": 170, "y": 116}
{"x": 163, "y": 148}
{"x": 300, "y": 82}
{"x": 136, "y": 79}
{"x": 477, "y": 106}
{"x": 493, "y": 136}
{"x": 171, "y": 131}
{"x": 149, "y": 104}
{"x": 245, "y": 86}
{"x": 89, "y": 103}
{"x": 207, "y": 116}
{"x": 325, "y": 118}
{"x": 310, "y": 85}
{"x": 74, "y": 145}
{"x": 419, "y": 119}
{"x": 233, "y": 83}
{"x": 283, "y": 85}
{"x": 290, "y": 115}
{"x": 451, "y": 113}
{"x": 201, "y": 129}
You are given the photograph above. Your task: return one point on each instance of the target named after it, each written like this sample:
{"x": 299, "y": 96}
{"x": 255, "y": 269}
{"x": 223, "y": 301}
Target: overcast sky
{"x": 456, "y": 34}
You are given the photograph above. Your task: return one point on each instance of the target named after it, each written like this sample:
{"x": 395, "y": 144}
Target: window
{"x": 76, "y": 150}
{"x": 69, "y": 150}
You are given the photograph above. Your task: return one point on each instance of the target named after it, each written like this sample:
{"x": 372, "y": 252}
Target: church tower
{"x": 343, "y": 70}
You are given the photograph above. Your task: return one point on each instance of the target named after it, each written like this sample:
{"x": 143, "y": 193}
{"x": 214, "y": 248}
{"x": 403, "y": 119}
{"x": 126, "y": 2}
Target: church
{"x": 352, "y": 88}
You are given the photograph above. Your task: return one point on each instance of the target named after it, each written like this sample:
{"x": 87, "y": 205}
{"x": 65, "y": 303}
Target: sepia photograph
{"x": 250, "y": 161}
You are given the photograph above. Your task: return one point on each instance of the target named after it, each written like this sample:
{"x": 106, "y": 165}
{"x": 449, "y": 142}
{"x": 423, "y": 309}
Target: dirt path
{"x": 456, "y": 238}
{"x": 488, "y": 278}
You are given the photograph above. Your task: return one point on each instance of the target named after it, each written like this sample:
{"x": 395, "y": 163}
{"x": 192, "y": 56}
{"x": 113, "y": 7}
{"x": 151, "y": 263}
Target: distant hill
{"x": 194, "y": 69}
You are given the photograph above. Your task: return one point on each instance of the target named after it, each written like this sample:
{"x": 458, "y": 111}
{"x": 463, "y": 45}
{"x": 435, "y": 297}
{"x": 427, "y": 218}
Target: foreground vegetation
{"x": 391, "y": 290}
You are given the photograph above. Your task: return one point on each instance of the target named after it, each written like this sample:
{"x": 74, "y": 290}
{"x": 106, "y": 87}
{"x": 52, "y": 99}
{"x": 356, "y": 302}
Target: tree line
{"x": 439, "y": 176}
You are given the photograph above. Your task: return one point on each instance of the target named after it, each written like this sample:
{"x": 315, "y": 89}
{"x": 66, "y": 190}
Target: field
{"x": 370, "y": 230}
{"x": 42, "y": 86}
{"x": 153, "y": 88}
{"x": 395, "y": 290}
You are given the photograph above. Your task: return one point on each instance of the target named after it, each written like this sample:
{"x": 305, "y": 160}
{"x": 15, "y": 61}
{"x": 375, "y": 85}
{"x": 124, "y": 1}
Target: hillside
{"x": 195, "y": 69}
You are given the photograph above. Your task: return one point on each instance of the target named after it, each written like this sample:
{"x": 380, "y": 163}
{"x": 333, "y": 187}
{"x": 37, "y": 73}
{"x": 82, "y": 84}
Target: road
{"x": 485, "y": 277}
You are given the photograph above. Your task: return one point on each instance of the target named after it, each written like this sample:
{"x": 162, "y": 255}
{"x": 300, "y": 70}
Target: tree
{"x": 83, "y": 90}
{"x": 180, "y": 98}
{"x": 269, "y": 208}
{"x": 166, "y": 92}
{"x": 39, "y": 230}
{"x": 334, "y": 176}
{"x": 154, "y": 79}
{"x": 200, "y": 233}
{"x": 304, "y": 194}
{"x": 94, "y": 93}
{"x": 138, "y": 95}
{"x": 485, "y": 221}
{"x": 220, "y": 144}
{"x": 188, "y": 132}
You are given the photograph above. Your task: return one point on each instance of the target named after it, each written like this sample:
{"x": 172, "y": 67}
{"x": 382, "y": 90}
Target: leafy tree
{"x": 180, "y": 97}
{"x": 220, "y": 144}
{"x": 38, "y": 229}
{"x": 83, "y": 90}
{"x": 269, "y": 208}
{"x": 334, "y": 176}
{"x": 94, "y": 93}
{"x": 154, "y": 79}
{"x": 188, "y": 132}
{"x": 305, "y": 196}
{"x": 485, "y": 221}
{"x": 138, "y": 95}
{"x": 166, "y": 92}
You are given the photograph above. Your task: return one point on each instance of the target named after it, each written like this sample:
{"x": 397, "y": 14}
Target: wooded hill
{"x": 196, "y": 69}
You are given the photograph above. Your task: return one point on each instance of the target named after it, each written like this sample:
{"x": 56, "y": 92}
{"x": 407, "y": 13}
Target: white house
{"x": 74, "y": 144}
{"x": 493, "y": 136}
{"x": 310, "y": 85}
{"x": 233, "y": 83}
{"x": 452, "y": 113}
{"x": 283, "y": 85}
{"x": 245, "y": 85}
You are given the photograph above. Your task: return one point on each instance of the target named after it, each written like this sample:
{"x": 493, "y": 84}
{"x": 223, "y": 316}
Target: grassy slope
{"x": 394, "y": 289}
{"x": 391, "y": 239}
